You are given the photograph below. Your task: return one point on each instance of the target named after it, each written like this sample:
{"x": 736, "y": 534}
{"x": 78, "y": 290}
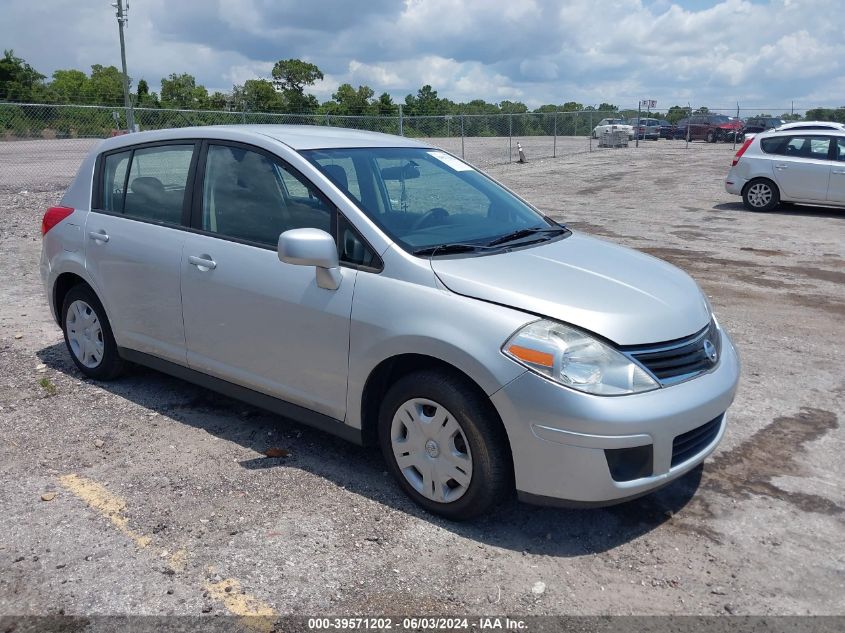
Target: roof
{"x": 802, "y": 132}
{"x": 299, "y": 137}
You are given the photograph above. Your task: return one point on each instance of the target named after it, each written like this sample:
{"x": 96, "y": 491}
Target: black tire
{"x": 110, "y": 364}
{"x": 492, "y": 470}
{"x": 760, "y": 194}
{"x": 711, "y": 137}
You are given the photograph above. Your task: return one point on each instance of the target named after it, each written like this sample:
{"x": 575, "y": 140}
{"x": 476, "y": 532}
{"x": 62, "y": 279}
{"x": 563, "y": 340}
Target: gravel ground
{"x": 151, "y": 496}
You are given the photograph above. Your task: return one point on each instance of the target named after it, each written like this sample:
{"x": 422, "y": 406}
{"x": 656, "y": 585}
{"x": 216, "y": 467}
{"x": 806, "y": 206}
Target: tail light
{"x": 741, "y": 151}
{"x": 53, "y": 216}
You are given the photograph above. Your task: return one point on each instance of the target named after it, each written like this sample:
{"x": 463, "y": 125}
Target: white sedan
{"x": 804, "y": 166}
{"x": 613, "y": 125}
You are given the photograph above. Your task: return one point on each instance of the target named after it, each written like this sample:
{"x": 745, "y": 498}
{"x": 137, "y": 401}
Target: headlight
{"x": 577, "y": 360}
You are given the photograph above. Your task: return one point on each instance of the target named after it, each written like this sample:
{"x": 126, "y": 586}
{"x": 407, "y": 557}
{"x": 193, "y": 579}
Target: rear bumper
{"x": 565, "y": 444}
{"x": 734, "y": 184}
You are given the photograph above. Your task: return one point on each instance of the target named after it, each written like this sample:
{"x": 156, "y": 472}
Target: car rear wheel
{"x": 761, "y": 195}
{"x": 88, "y": 335}
{"x": 711, "y": 136}
{"x": 444, "y": 445}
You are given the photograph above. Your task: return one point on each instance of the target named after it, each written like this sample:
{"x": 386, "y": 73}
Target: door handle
{"x": 839, "y": 171}
{"x": 781, "y": 166}
{"x": 99, "y": 236}
{"x": 202, "y": 262}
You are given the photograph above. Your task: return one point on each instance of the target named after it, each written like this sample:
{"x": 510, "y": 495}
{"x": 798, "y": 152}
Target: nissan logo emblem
{"x": 710, "y": 351}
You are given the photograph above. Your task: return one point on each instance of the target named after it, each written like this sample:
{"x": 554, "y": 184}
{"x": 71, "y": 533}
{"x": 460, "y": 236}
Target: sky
{"x": 760, "y": 53}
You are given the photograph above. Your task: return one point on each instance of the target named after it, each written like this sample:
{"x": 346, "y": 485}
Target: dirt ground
{"x": 150, "y": 496}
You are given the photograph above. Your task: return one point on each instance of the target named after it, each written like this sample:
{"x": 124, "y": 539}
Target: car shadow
{"x": 787, "y": 209}
{"x": 513, "y": 525}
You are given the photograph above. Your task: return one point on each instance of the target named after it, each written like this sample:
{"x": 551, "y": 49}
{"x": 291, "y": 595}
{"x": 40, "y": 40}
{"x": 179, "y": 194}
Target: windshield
{"x": 425, "y": 198}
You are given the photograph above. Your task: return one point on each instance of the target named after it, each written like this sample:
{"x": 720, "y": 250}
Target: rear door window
{"x": 157, "y": 181}
{"x": 813, "y": 147}
{"x": 147, "y": 183}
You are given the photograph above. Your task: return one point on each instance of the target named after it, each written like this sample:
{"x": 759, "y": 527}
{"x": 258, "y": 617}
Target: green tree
{"x": 18, "y": 80}
{"x": 608, "y": 107}
{"x": 348, "y": 100}
{"x": 291, "y": 76}
{"x": 219, "y": 100}
{"x": 257, "y": 95}
{"x": 144, "y": 98}
{"x": 676, "y": 113}
{"x": 69, "y": 86}
{"x": 826, "y": 114}
{"x": 183, "y": 92}
{"x": 105, "y": 85}
{"x": 425, "y": 103}
{"x": 385, "y": 106}
{"x": 572, "y": 106}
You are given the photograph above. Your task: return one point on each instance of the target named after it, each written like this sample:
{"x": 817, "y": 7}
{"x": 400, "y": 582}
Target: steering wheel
{"x": 437, "y": 213}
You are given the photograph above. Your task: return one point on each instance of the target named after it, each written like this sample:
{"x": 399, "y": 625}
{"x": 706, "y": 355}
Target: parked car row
{"x": 711, "y": 128}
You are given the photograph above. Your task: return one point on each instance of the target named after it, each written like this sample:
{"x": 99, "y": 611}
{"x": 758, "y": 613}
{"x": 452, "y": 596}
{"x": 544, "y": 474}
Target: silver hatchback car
{"x": 383, "y": 290}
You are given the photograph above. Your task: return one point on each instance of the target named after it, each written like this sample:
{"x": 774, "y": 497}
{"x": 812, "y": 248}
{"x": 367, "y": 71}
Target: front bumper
{"x": 559, "y": 437}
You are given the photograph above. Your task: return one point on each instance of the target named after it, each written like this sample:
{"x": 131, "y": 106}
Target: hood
{"x": 621, "y": 294}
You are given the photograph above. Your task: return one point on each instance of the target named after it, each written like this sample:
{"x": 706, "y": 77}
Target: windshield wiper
{"x": 446, "y": 249}
{"x": 519, "y": 234}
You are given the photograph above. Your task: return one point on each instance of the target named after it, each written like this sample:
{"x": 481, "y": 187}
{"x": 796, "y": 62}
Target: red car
{"x": 713, "y": 127}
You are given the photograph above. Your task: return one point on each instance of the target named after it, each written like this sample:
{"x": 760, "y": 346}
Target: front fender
{"x": 391, "y": 317}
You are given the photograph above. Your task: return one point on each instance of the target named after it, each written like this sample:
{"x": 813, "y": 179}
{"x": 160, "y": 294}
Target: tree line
{"x": 286, "y": 92}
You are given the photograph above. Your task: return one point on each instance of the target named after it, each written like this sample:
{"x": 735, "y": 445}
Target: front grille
{"x": 681, "y": 359}
{"x": 691, "y": 443}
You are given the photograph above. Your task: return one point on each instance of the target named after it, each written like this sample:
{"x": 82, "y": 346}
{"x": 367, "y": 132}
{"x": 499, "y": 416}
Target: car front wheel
{"x": 761, "y": 195}
{"x": 444, "y": 445}
{"x": 88, "y": 335}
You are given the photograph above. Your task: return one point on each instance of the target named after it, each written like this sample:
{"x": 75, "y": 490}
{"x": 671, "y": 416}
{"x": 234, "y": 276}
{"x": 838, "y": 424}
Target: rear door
{"x": 249, "y": 318}
{"x": 134, "y": 236}
{"x": 800, "y": 166}
{"x": 836, "y": 186}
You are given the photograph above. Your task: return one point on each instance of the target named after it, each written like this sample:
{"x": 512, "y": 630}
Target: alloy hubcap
{"x": 759, "y": 195}
{"x": 431, "y": 450}
{"x": 85, "y": 334}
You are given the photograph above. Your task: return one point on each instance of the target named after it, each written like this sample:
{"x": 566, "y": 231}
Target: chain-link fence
{"x": 482, "y": 139}
{"x": 26, "y": 161}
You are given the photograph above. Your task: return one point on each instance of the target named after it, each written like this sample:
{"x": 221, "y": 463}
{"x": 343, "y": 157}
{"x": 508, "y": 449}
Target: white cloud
{"x": 538, "y": 51}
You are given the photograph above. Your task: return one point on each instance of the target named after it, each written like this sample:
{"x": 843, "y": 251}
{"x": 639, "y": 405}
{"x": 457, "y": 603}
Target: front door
{"x": 249, "y": 318}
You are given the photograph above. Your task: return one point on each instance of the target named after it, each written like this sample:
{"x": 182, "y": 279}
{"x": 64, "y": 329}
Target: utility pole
{"x": 122, "y": 19}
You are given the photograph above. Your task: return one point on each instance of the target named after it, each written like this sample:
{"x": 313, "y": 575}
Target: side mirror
{"x": 312, "y": 247}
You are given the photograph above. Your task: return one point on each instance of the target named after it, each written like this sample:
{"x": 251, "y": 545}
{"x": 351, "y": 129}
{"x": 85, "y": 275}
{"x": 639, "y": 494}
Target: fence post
{"x": 590, "y": 130}
{"x": 401, "y": 122}
{"x": 737, "y": 118}
{"x": 554, "y": 142}
{"x": 510, "y": 137}
{"x": 462, "y": 135}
